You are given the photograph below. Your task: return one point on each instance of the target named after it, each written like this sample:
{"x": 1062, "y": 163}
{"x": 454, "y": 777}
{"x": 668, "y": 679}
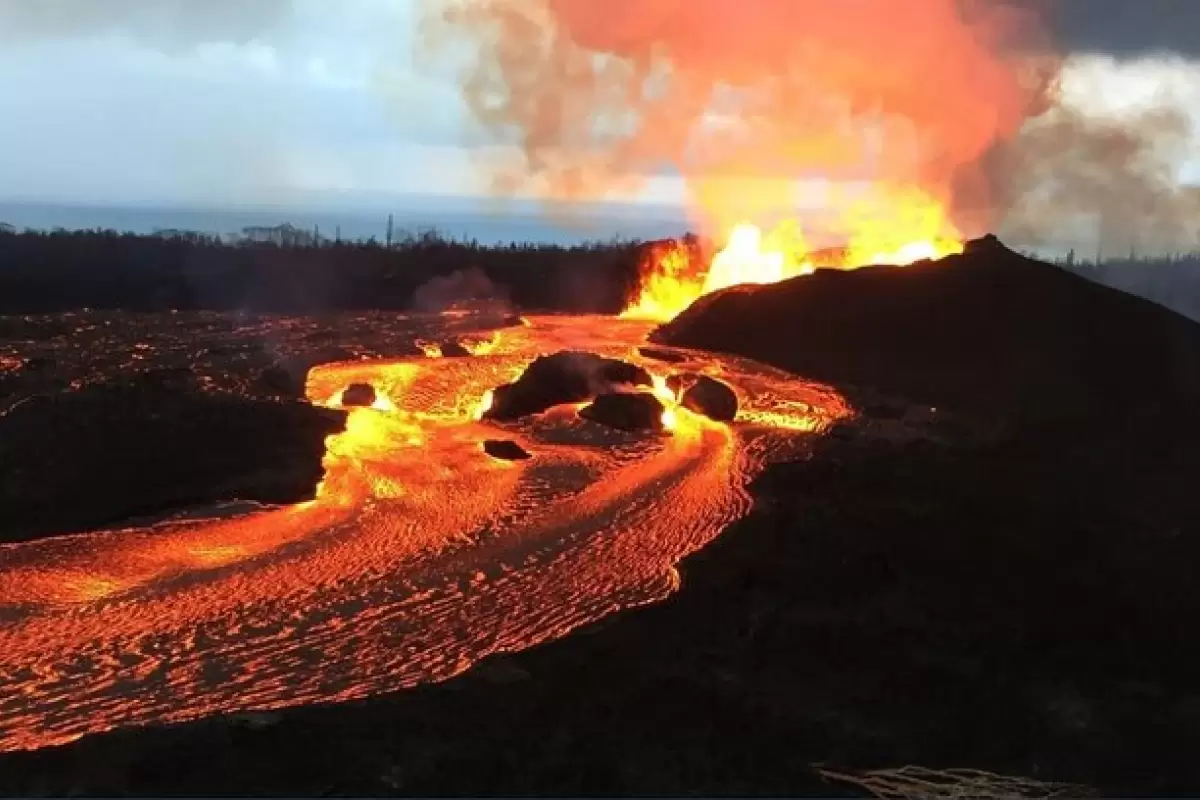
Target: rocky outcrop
{"x": 712, "y": 398}
{"x": 359, "y": 395}
{"x": 626, "y": 411}
{"x": 505, "y": 450}
{"x": 453, "y": 350}
{"x": 988, "y": 332}
{"x": 565, "y": 377}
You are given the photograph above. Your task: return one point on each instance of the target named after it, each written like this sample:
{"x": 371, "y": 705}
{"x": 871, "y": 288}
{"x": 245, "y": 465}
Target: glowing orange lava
{"x": 485, "y": 404}
{"x": 888, "y": 227}
{"x": 430, "y": 349}
{"x": 420, "y": 554}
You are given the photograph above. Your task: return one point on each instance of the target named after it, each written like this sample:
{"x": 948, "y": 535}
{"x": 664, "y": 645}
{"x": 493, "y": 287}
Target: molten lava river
{"x": 420, "y": 555}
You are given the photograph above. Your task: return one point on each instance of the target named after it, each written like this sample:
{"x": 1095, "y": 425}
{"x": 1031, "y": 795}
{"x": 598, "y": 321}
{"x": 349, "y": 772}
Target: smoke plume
{"x": 1111, "y": 181}
{"x": 461, "y": 288}
{"x": 741, "y": 102}
{"x": 959, "y": 99}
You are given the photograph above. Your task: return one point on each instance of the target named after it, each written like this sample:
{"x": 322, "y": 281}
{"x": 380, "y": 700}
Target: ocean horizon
{"x": 522, "y": 224}
{"x": 461, "y": 219}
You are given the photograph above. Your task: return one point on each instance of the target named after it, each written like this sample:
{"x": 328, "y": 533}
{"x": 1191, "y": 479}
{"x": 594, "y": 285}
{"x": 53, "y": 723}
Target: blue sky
{"x": 321, "y": 101}
{"x": 304, "y": 103}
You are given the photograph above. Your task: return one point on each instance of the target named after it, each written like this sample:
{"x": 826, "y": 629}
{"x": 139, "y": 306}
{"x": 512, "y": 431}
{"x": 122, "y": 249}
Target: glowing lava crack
{"x": 420, "y": 555}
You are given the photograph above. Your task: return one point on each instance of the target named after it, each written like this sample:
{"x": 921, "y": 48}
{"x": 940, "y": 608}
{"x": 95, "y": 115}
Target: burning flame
{"x": 483, "y": 347}
{"x": 430, "y": 349}
{"x": 751, "y": 258}
{"x": 383, "y": 403}
{"x": 893, "y": 228}
{"x": 669, "y": 400}
{"x": 668, "y": 286}
{"x": 485, "y": 404}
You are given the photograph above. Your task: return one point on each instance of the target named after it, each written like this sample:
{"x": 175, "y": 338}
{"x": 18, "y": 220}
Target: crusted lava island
{"x": 978, "y": 581}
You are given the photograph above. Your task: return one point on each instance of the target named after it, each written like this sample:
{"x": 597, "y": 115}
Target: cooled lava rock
{"x": 167, "y": 378}
{"x": 505, "y": 450}
{"x": 565, "y": 377}
{"x": 626, "y": 411}
{"x": 359, "y": 394}
{"x": 288, "y": 377}
{"x": 512, "y": 321}
{"x": 987, "y": 332}
{"x": 661, "y": 354}
{"x": 281, "y": 380}
{"x": 453, "y": 350}
{"x": 615, "y": 373}
{"x": 712, "y": 398}
{"x": 80, "y": 460}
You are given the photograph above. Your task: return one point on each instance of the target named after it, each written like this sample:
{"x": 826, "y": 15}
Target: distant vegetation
{"x": 1172, "y": 281}
{"x": 294, "y": 270}
{"x": 290, "y": 269}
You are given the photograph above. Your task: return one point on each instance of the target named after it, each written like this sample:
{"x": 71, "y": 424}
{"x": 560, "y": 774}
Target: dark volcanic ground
{"x": 251, "y": 355}
{"x": 989, "y": 331}
{"x": 1002, "y": 591}
{"x": 105, "y": 416}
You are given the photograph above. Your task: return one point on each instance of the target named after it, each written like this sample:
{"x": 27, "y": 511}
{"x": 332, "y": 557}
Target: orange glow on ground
{"x": 430, "y": 349}
{"x": 485, "y": 404}
{"x": 419, "y": 555}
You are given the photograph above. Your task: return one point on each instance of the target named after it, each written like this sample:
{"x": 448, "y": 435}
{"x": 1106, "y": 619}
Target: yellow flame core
{"x": 667, "y": 287}
{"x": 485, "y": 404}
{"x": 751, "y": 257}
{"x": 665, "y": 396}
{"x": 889, "y": 227}
{"x": 383, "y": 403}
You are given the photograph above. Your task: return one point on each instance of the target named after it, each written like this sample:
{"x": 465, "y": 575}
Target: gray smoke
{"x": 1113, "y": 182}
{"x": 461, "y": 288}
{"x": 1108, "y": 181}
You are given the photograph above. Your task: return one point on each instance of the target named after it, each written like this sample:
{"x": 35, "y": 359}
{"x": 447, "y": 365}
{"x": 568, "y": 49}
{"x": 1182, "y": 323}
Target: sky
{"x": 295, "y": 103}
{"x": 313, "y": 103}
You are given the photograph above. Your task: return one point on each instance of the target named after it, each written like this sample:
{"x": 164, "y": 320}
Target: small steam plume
{"x": 959, "y": 99}
{"x": 165, "y": 23}
{"x": 470, "y": 288}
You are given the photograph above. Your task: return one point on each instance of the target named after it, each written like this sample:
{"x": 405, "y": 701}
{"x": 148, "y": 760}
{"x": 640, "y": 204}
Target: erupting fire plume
{"x": 885, "y": 110}
{"x": 913, "y": 228}
{"x": 889, "y": 130}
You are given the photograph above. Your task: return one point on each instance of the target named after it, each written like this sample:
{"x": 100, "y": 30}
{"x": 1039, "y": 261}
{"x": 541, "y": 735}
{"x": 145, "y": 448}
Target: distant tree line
{"x": 1169, "y": 280}
{"x": 288, "y": 269}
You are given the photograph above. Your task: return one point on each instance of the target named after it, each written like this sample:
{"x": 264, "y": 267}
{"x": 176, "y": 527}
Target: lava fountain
{"x": 895, "y": 228}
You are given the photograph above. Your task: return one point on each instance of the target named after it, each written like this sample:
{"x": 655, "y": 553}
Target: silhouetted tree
{"x": 287, "y": 269}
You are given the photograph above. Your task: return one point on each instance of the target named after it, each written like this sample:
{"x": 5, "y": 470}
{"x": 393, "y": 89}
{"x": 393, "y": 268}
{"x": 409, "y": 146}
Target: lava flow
{"x": 898, "y": 228}
{"x": 420, "y": 554}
